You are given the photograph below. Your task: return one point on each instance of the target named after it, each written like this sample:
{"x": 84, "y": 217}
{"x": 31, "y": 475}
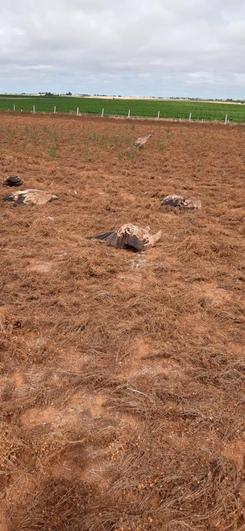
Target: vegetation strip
{"x": 173, "y": 109}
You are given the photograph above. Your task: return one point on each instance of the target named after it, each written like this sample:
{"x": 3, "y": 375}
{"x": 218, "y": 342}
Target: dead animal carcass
{"x": 130, "y": 237}
{"x": 13, "y": 180}
{"x": 31, "y": 197}
{"x": 180, "y": 202}
{"x": 141, "y": 141}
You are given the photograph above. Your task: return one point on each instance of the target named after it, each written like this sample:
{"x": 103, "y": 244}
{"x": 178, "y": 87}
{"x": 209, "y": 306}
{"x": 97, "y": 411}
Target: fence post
{"x": 226, "y": 119}
{"x": 54, "y": 109}
{"x": 102, "y": 113}
{"x": 33, "y": 109}
{"x": 14, "y": 107}
{"x": 158, "y": 115}
{"x": 129, "y": 114}
{"x": 77, "y": 111}
{"x": 190, "y": 117}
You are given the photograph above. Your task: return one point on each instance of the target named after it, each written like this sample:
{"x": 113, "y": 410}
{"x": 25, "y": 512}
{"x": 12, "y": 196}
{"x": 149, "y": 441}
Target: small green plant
{"x": 92, "y": 136}
{"x": 162, "y": 147}
{"x": 104, "y": 140}
{"x": 53, "y": 134}
{"x": 52, "y": 151}
{"x": 34, "y": 136}
{"x": 131, "y": 155}
{"x": 120, "y": 155}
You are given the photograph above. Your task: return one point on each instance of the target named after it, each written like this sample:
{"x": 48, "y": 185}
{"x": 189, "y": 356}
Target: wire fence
{"x": 152, "y": 109}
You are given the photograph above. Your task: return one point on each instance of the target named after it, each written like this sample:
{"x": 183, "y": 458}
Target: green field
{"x": 120, "y": 107}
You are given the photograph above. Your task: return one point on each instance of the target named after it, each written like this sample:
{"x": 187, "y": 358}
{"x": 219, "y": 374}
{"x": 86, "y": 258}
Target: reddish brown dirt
{"x": 122, "y": 398}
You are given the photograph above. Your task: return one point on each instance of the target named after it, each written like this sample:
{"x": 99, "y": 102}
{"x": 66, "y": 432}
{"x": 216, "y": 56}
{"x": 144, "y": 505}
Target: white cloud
{"x": 161, "y": 47}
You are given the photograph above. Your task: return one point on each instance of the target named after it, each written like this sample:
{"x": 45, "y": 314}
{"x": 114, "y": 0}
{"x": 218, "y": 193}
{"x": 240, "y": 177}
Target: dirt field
{"x": 122, "y": 398}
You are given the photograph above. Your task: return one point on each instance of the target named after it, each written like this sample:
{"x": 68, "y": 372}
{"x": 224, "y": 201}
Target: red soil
{"x": 122, "y": 399}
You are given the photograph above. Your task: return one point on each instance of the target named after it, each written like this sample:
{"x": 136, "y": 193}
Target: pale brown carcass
{"x": 129, "y": 237}
{"x": 183, "y": 203}
{"x": 30, "y": 197}
{"x": 141, "y": 141}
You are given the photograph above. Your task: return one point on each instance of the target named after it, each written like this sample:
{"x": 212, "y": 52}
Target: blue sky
{"x": 138, "y": 47}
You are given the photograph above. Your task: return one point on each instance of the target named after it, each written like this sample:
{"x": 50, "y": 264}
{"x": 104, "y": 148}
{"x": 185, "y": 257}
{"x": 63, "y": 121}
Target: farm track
{"x": 122, "y": 398}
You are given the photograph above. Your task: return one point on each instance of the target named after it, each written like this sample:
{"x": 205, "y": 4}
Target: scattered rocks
{"x": 31, "y": 197}
{"x": 13, "y": 180}
{"x": 130, "y": 237}
{"x": 141, "y": 141}
{"x": 180, "y": 202}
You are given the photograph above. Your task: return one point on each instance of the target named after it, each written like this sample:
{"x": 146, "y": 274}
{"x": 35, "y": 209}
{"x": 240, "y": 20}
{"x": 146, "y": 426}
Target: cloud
{"x": 170, "y": 47}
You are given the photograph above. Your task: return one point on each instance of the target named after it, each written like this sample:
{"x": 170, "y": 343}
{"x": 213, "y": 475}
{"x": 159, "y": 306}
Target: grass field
{"x": 120, "y": 107}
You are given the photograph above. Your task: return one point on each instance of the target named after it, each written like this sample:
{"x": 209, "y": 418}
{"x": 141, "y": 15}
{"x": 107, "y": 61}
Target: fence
{"x": 129, "y": 109}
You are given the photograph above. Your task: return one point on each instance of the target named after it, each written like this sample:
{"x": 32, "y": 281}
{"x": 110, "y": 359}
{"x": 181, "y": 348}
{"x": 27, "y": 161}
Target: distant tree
{"x": 48, "y": 94}
{"x": 68, "y": 94}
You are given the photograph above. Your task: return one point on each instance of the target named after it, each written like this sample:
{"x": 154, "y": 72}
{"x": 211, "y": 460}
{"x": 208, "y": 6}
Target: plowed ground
{"x": 122, "y": 398}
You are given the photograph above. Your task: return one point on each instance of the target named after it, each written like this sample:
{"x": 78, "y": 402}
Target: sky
{"x": 190, "y": 48}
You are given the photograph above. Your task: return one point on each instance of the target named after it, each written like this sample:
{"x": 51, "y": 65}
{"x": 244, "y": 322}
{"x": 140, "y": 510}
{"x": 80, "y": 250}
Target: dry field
{"x": 122, "y": 398}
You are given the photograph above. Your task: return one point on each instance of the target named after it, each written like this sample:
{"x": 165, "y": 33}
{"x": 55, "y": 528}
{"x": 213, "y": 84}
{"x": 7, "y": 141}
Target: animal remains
{"x": 130, "y": 237}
